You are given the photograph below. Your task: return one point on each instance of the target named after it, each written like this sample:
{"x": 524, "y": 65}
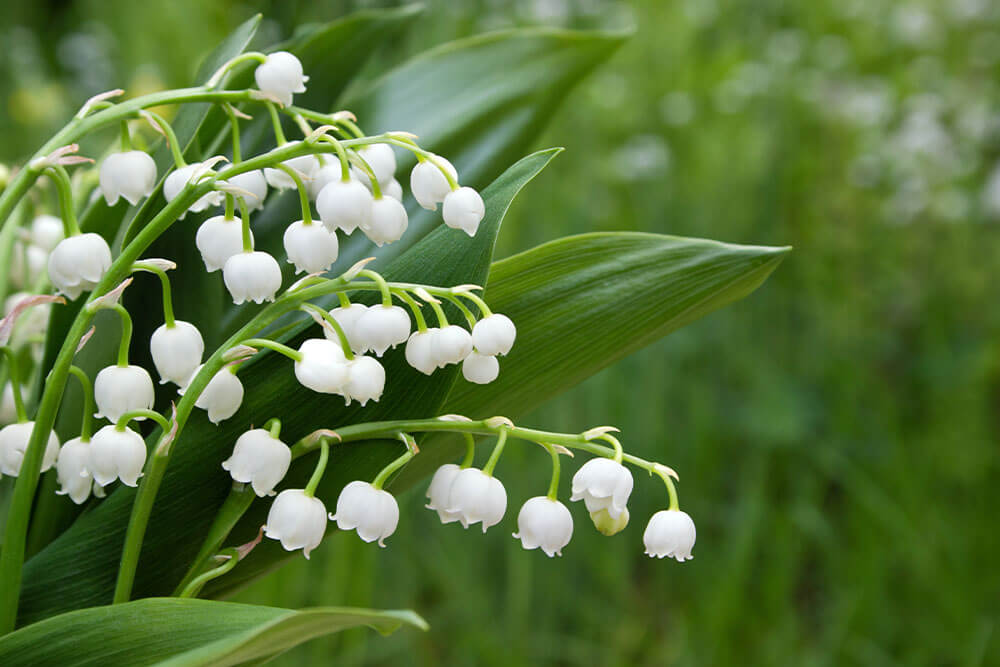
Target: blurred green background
{"x": 836, "y": 433}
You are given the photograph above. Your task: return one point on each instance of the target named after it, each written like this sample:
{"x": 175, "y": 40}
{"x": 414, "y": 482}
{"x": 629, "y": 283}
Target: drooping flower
{"x": 463, "y": 209}
{"x": 420, "y": 351}
{"x": 73, "y": 471}
{"x": 544, "y": 523}
{"x": 451, "y": 345}
{"x": 429, "y": 185}
{"x": 365, "y": 380}
{"x": 252, "y": 276}
{"x": 311, "y": 248}
{"x": 439, "y": 490}
{"x": 305, "y": 165}
{"x": 218, "y": 239}
{"x": 670, "y": 533}
{"x": 476, "y": 497}
{"x": 603, "y": 484}
{"x": 78, "y": 263}
{"x": 280, "y": 76}
{"x": 382, "y": 327}
{"x": 117, "y": 454}
{"x": 393, "y": 190}
{"x": 254, "y": 183}
{"x": 387, "y": 223}
{"x": 297, "y": 520}
{"x": 373, "y": 512}
{"x": 259, "y": 459}
{"x": 480, "y": 368}
{"x": 323, "y": 367}
{"x": 130, "y": 175}
{"x": 47, "y": 231}
{"x": 382, "y": 160}
{"x": 344, "y": 205}
{"x": 221, "y": 397}
{"x": 178, "y": 179}
{"x": 347, "y": 317}
{"x": 14, "y": 440}
{"x": 326, "y": 174}
{"x": 494, "y": 335}
{"x": 8, "y": 409}
{"x": 121, "y": 389}
{"x": 176, "y": 351}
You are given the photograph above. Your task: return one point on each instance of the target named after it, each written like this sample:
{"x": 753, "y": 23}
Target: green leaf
{"x": 173, "y": 631}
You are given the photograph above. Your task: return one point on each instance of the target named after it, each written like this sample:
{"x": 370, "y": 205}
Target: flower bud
{"x": 176, "y": 351}
{"x": 387, "y": 223}
{"x": 121, "y": 389}
{"x": 494, "y": 335}
{"x": 326, "y": 174}
{"x": 8, "y": 409}
{"x": 546, "y": 523}
{"x": 382, "y": 160}
{"x": 298, "y": 521}
{"x": 131, "y": 175}
{"x": 259, "y": 459}
{"x": 606, "y": 525}
{"x": 439, "y": 490}
{"x": 463, "y": 209}
{"x": 252, "y": 276}
{"x": 603, "y": 484}
{"x": 670, "y": 533}
{"x": 218, "y": 239}
{"x": 420, "y": 351}
{"x": 221, "y": 397}
{"x": 117, "y": 454}
{"x": 344, "y": 205}
{"x": 311, "y": 248}
{"x": 365, "y": 380}
{"x": 305, "y": 165}
{"x": 73, "y": 471}
{"x": 477, "y": 497}
{"x": 323, "y": 368}
{"x": 78, "y": 263}
{"x": 480, "y": 368}
{"x": 178, "y": 179}
{"x": 373, "y": 512}
{"x": 47, "y": 231}
{"x": 382, "y": 327}
{"x": 429, "y": 185}
{"x": 254, "y": 183}
{"x": 347, "y": 318}
{"x": 280, "y": 76}
{"x": 451, "y": 345}
{"x": 13, "y": 443}
{"x": 27, "y": 262}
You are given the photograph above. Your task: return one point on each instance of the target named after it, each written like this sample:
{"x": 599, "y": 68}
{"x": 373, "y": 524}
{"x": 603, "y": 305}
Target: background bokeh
{"x": 836, "y": 433}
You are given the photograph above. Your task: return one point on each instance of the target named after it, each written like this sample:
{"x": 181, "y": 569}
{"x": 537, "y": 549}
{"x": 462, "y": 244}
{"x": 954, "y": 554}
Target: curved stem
{"x": 303, "y": 193}
{"x": 88, "y": 401}
{"x": 123, "y": 421}
{"x": 14, "y": 376}
{"x": 386, "y": 472}
{"x": 171, "y": 137}
{"x": 273, "y": 426}
{"x": 279, "y": 134}
{"x": 345, "y": 163}
{"x": 65, "y": 189}
{"x": 554, "y": 483}
{"x": 232, "y": 557}
{"x": 226, "y": 67}
{"x": 365, "y": 167}
{"x": 245, "y": 225}
{"x": 469, "y": 317}
{"x": 439, "y": 312}
{"x": 403, "y": 296}
{"x": 423, "y": 155}
{"x": 123, "y": 136}
{"x": 619, "y": 452}
{"x": 383, "y": 286}
{"x": 126, "y": 339}
{"x": 332, "y": 321}
{"x": 497, "y": 451}
{"x": 294, "y": 355}
{"x": 470, "y": 450}
{"x": 671, "y": 489}
{"x": 168, "y": 303}
{"x": 480, "y": 303}
{"x": 234, "y": 124}
{"x": 317, "y": 476}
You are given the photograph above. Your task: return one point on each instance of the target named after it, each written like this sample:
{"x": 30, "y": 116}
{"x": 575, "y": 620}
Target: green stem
{"x": 294, "y": 355}
{"x": 469, "y": 317}
{"x": 350, "y": 125}
{"x": 232, "y": 557}
{"x": 168, "y": 303}
{"x": 332, "y": 321}
{"x": 234, "y": 124}
{"x": 411, "y": 451}
{"x": 365, "y": 167}
{"x": 414, "y": 307}
{"x": 497, "y": 451}
{"x": 439, "y": 312}
{"x": 230, "y": 207}
{"x": 123, "y": 421}
{"x": 65, "y": 190}
{"x": 470, "y": 450}
{"x": 317, "y": 476}
{"x": 474, "y": 298}
{"x": 619, "y": 452}
{"x": 279, "y": 134}
{"x": 226, "y": 67}
{"x": 345, "y": 163}
{"x": 15, "y": 383}
{"x": 383, "y": 286}
{"x": 126, "y": 339}
{"x": 303, "y": 193}
{"x": 554, "y": 484}
{"x": 245, "y": 225}
{"x": 422, "y": 155}
{"x": 172, "y": 143}
{"x": 88, "y": 401}
{"x": 273, "y": 426}
{"x": 671, "y": 489}
{"x": 124, "y": 137}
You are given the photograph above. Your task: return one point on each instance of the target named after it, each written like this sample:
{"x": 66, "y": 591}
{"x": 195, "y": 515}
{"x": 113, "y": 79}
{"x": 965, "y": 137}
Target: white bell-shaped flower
{"x": 78, "y": 263}
{"x": 14, "y": 440}
{"x": 117, "y": 454}
{"x": 254, "y": 183}
{"x": 218, "y": 239}
{"x": 670, "y": 533}
{"x": 347, "y": 317}
{"x": 394, "y": 190}
{"x": 73, "y": 471}
{"x": 603, "y": 484}
{"x": 323, "y": 368}
{"x": 311, "y": 248}
{"x": 544, "y": 523}
{"x": 344, "y": 205}
{"x": 494, "y": 335}
{"x": 259, "y": 459}
{"x": 382, "y": 159}
{"x": 480, "y": 368}
{"x": 8, "y": 408}
{"x": 298, "y": 521}
{"x": 451, "y": 345}
{"x": 121, "y": 389}
{"x": 322, "y": 177}
{"x": 420, "y": 351}
{"x": 382, "y": 327}
{"x": 252, "y": 276}
{"x": 463, "y": 209}
{"x": 439, "y": 491}
{"x": 131, "y": 175}
{"x": 305, "y": 165}
{"x": 280, "y": 76}
{"x": 176, "y": 351}
{"x": 27, "y": 262}
{"x": 373, "y": 512}
{"x": 365, "y": 380}
{"x": 429, "y": 185}
{"x": 178, "y": 179}
{"x": 47, "y": 231}
{"x": 387, "y": 223}
{"x": 221, "y": 397}
{"x": 477, "y": 497}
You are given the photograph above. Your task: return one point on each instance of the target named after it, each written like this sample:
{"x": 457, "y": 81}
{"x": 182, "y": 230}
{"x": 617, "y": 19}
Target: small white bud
{"x": 463, "y": 209}
{"x": 323, "y": 368}
{"x": 259, "y": 459}
{"x": 344, "y": 205}
{"x": 298, "y": 521}
{"x": 252, "y": 276}
{"x": 544, "y": 523}
{"x": 254, "y": 183}
{"x": 78, "y": 263}
{"x": 131, "y": 175}
{"x": 178, "y": 179}
{"x": 603, "y": 484}
{"x": 494, "y": 334}
{"x": 218, "y": 239}
{"x": 439, "y": 490}
{"x": 420, "y": 351}
{"x": 47, "y": 231}
{"x": 280, "y": 76}
{"x": 393, "y": 189}
{"x": 477, "y": 497}
{"x": 326, "y": 174}
{"x": 382, "y": 327}
{"x": 176, "y": 351}
{"x": 311, "y": 248}
{"x": 221, "y": 397}
{"x": 373, "y": 512}
{"x": 480, "y": 368}
{"x": 117, "y": 454}
{"x": 121, "y": 389}
{"x": 8, "y": 409}
{"x": 387, "y": 223}
{"x": 670, "y": 533}
{"x": 13, "y": 443}
{"x": 365, "y": 380}
{"x": 451, "y": 345}
{"x": 305, "y": 165}
{"x": 382, "y": 159}
{"x": 348, "y": 318}
{"x": 429, "y": 185}
{"x": 27, "y": 262}
{"x": 73, "y": 471}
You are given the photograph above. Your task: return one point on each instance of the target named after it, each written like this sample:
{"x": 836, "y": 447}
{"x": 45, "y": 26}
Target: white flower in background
{"x": 451, "y": 345}
{"x": 476, "y": 497}
{"x": 344, "y": 205}
{"x": 27, "y": 262}
{"x": 131, "y": 175}
{"x": 47, "y": 231}
{"x": 117, "y": 454}
{"x": 480, "y": 368}
{"x": 326, "y": 174}
{"x": 323, "y": 368}
{"x": 420, "y": 351}
{"x": 365, "y": 380}
{"x": 178, "y": 179}
{"x": 544, "y": 523}
{"x": 382, "y": 160}
{"x": 606, "y": 525}
{"x": 221, "y": 397}
{"x": 394, "y": 190}
{"x": 670, "y": 533}
{"x": 387, "y": 223}
{"x": 347, "y": 317}
{"x": 280, "y": 76}
{"x": 463, "y": 209}
{"x": 259, "y": 459}
{"x": 31, "y": 322}
{"x": 8, "y": 409}
{"x": 305, "y": 165}
{"x": 254, "y": 183}
{"x": 73, "y": 471}
{"x": 252, "y": 276}
{"x": 78, "y": 263}
{"x": 298, "y": 521}
{"x": 494, "y": 335}
{"x": 176, "y": 351}
{"x": 439, "y": 490}
{"x": 218, "y": 239}
{"x": 311, "y": 248}
{"x": 603, "y": 484}
{"x": 373, "y": 512}
{"x": 13, "y": 443}
{"x": 429, "y": 185}
{"x": 121, "y": 389}
{"x": 382, "y": 327}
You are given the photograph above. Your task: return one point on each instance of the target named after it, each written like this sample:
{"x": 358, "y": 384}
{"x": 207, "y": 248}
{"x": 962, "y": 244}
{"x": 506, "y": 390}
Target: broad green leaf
{"x": 175, "y": 632}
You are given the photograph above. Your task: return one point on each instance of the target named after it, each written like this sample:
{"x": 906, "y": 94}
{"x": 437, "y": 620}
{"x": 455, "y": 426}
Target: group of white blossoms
{"x": 345, "y": 201}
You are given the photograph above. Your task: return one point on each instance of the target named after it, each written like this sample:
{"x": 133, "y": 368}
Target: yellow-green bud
{"x": 608, "y": 526}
